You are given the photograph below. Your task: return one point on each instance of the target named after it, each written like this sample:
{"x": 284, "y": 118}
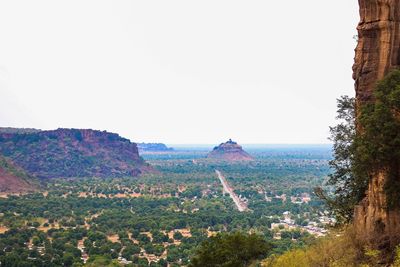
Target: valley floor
{"x": 161, "y": 218}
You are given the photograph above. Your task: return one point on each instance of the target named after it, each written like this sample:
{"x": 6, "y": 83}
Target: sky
{"x": 195, "y": 72}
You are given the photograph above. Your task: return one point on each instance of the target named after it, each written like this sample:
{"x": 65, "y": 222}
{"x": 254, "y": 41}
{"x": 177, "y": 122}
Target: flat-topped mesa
{"x": 66, "y": 153}
{"x": 229, "y": 151}
{"x": 153, "y": 147}
{"x": 377, "y": 52}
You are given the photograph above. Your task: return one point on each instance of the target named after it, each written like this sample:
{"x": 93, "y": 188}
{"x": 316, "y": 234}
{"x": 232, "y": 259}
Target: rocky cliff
{"x": 73, "y": 153}
{"x": 229, "y": 151}
{"x": 377, "y": 52}
{"x": 378, "y": 46}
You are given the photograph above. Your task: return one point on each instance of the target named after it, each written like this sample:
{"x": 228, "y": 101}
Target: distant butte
{"x": 229, "y": 151}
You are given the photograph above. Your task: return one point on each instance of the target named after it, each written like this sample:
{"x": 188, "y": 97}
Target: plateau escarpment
{"x": 229, "y": 151}
{"x": 377, "y": 53}
{"x": 73, "y": 153}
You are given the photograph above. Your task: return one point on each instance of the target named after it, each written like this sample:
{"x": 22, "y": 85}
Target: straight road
{"x": 241, "y": 206}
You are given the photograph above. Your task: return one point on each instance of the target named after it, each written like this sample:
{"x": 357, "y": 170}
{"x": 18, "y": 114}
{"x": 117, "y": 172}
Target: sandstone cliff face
{"x": 377, "y": 52}
{"x": 378, "y": 49}
{"x": 229, "y": 151}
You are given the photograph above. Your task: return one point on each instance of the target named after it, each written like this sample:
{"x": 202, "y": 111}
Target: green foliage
{"x": 374, "y": 149}
{"x": 178, "y": 235}
{"x": 183, "y": 195}
{"x": 235, "y": 250}
{"x": 101, "y": 261}
{"x": 347, "y": 178}
{"x": 378, "y": 144}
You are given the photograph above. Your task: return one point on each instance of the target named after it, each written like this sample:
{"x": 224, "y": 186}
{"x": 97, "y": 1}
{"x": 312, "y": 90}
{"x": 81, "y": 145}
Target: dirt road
{"x": 241, "y": 206}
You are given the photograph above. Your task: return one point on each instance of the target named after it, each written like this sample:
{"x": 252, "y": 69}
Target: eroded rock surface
{"x": 377, "y": 52}
{"x": 378, "y": 46}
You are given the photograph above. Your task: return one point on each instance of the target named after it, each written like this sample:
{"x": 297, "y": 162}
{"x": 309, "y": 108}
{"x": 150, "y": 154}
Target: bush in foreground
{"x": 338, "y": 250}
{"x": 230, "y": 250}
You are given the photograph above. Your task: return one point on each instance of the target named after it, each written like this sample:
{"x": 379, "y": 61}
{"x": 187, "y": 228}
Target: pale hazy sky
{"x": 178, "y": 71}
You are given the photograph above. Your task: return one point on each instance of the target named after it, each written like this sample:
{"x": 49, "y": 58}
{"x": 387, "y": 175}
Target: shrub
{"x": 234, "y": 249}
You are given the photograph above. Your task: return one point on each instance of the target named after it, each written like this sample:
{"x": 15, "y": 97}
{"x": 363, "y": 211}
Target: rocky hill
{"x": 15, "y": 180}
{"x": 229, "y": 151}
{"x": 73, "y": 153}
{"x": 153, "y": 147}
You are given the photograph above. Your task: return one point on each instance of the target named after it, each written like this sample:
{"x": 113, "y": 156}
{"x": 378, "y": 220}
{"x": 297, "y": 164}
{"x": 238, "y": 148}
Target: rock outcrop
{"x": 15, "y": 180}
{"x": 377, "y": 52}
{"x": 378, "y": 49}
{"x": 229, "y": 151}
{"x": 66, "y": 153}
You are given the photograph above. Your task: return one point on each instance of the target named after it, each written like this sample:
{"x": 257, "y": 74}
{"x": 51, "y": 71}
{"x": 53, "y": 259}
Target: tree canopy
{"x": 230, "y": 250}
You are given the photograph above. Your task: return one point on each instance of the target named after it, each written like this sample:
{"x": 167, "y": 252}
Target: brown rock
{"x": 377, "y": 52}
{"x": 378, "y": 46}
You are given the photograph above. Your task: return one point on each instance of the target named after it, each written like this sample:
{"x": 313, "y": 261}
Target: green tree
{"x": 230, "y": 250}
{"x": 361, "y": 153}
{"x": 101, "y": 261}
{"x": 348, "y": 188}
{"x": 178, "y": 236}
{"x": 378, "y": 144}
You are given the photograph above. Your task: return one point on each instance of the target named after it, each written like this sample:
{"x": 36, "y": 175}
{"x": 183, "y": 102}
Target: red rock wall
{"x": 377, "y": 52}
{"x": 378, "y": 44}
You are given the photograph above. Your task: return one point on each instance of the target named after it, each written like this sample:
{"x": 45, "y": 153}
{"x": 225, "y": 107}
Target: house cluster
{"x": 298, "y": 199}
{"x": 303, "y": 198}
{"x": 314, "y": 228}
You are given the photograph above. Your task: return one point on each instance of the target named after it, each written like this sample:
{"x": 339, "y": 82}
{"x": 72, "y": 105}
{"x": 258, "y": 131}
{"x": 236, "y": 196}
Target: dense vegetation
{"x": 162, "y": 218}
{"x": 348, "y": 184}
{"x": 230, "y": 250}
{"x": 378, "y": 143}
{"x": 360, "y": 154}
